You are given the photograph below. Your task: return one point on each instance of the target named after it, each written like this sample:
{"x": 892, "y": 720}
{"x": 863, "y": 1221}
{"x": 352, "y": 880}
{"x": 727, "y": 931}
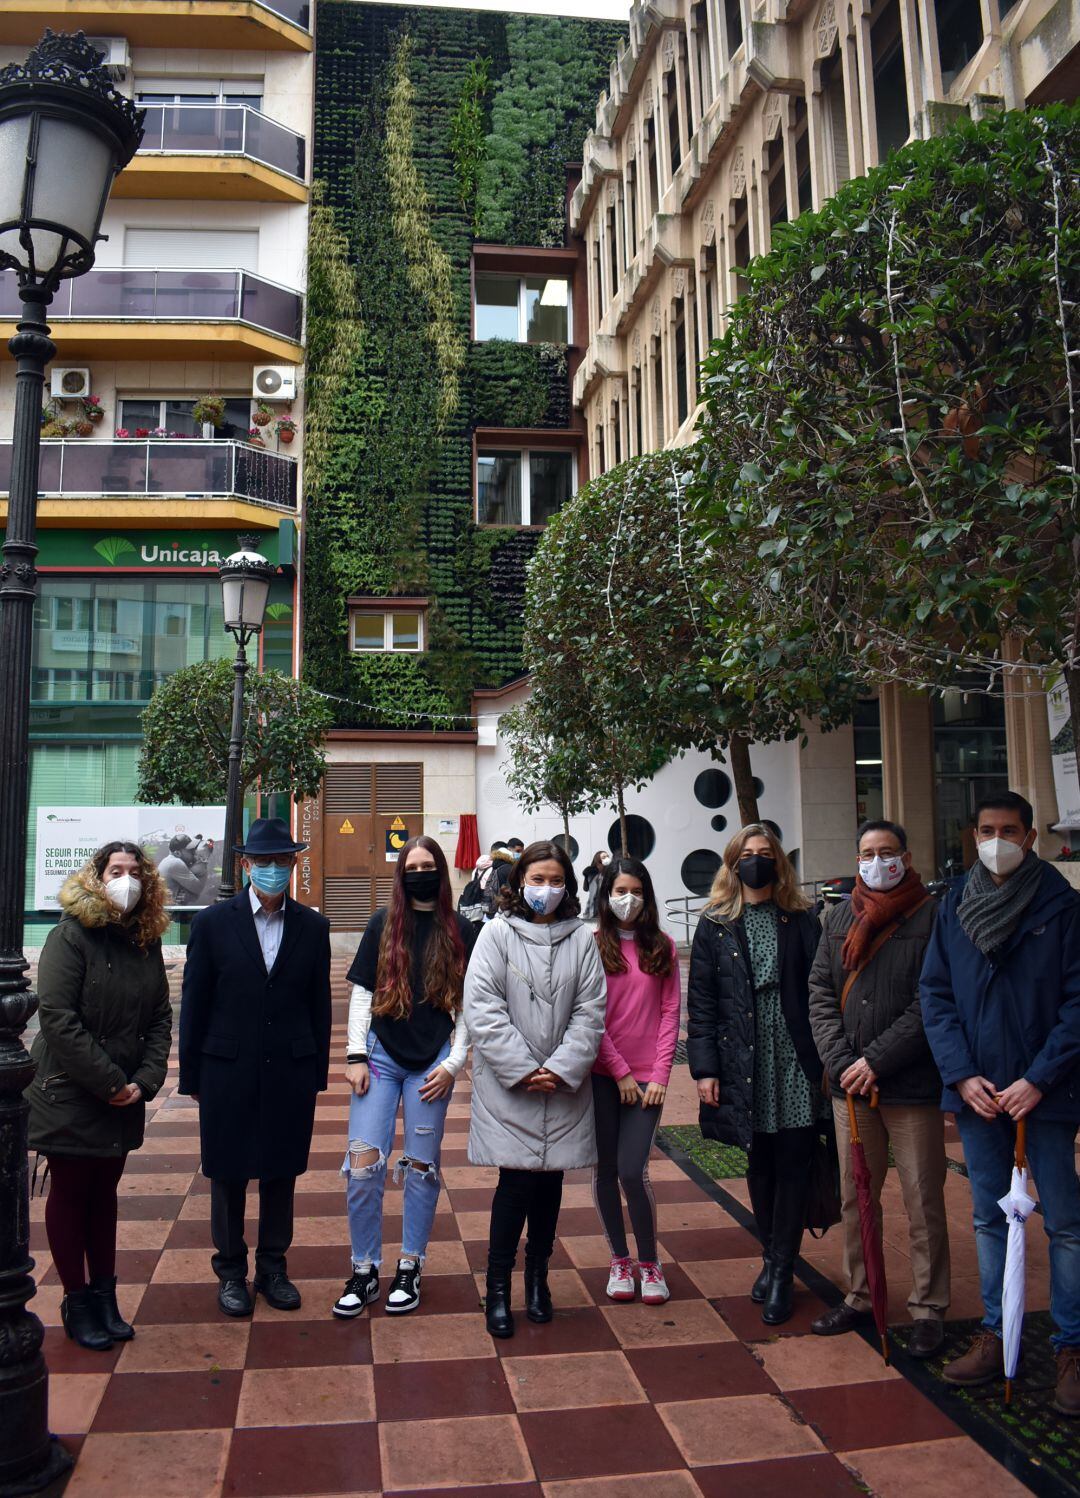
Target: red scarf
{"x": 876, "y": 908}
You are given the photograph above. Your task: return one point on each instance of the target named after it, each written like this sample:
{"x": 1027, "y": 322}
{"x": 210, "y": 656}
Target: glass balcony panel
{"x": 196, "y": 293}
{"x": 264, "y": 476}
{"x": 194, "y": 468}
{"x": 101, "y": 468}
{"x": 296, "y": 11}
{"x": 113, "y": 293}
{"x": 269, "y": 142}
{"x": 271, "y": 307}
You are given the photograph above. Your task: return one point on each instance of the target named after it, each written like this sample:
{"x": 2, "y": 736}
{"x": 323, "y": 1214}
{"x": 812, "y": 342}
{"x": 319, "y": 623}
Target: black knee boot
{"x": 81, "y": 1314}
{"x": 789, "y": 1214}
{"x": 497, "y": 1314}
{"x": 762, "y": 1188}
{"x": 538, "y": 1305}
{"x": 104, "y": 1293}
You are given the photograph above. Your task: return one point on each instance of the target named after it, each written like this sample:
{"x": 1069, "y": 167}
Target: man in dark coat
{"x": 255, "y": 1051}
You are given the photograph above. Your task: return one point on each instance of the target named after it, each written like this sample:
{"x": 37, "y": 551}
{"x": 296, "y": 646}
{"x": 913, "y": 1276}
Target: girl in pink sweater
{"x": 632, "y": 1069}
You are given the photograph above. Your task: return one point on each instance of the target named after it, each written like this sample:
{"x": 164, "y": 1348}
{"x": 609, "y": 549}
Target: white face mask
{"x": 1001, "y": 856}
{"x": 626, "y": 907}
{"x": 882, "y": 873}
{"x": 543, "y": 899}
{"x": 124, "y": 892}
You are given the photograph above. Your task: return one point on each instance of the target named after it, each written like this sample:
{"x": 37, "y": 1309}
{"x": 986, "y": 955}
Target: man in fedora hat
{"x": 254, "y": 1052}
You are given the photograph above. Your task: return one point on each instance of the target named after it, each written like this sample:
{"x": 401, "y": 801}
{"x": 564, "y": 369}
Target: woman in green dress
{"x": 749, "y": 1043}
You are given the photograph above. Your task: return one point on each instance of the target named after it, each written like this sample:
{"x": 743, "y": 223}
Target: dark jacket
{"x": 720, "y": 1005}
{"x": 105, "y": 1021}
{"x": 255, "y": 1046}
{"x": 882, "y": 1018}
{"x": 1016, "y": 1014}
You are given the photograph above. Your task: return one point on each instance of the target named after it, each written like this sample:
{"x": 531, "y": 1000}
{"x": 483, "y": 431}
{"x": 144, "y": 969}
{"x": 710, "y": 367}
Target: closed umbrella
{"x": 872, "y": 1250}
{"x": 1018, "y": 1205}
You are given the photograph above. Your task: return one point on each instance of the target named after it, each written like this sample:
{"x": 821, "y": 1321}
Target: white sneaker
{"x": 361, "y": 1288}
{"x": 654, "y": 1290}
{"x": 620, "y": 1285}
{"x": 405, "y": 1291}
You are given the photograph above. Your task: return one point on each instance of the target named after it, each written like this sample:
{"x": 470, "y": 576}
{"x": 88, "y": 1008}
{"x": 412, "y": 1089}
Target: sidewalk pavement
{"x": 696, "y": 1399}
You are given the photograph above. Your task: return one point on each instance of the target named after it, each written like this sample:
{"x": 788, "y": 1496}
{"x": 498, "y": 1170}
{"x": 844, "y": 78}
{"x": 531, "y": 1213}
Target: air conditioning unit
{"x": 69, "y": 384}
{"x": 117, "y": 59}
{"x": 274, "y": 382}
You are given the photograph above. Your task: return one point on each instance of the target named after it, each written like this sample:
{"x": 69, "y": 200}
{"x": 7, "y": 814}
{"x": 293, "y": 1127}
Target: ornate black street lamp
{"x": 245, "y": 585}
{"x": 64, "y": 134}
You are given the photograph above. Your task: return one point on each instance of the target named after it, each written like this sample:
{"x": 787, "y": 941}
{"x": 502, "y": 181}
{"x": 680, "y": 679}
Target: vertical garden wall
{"x": 433, "y": 128}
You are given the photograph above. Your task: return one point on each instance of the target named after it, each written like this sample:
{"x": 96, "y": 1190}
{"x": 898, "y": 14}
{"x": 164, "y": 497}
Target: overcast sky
{"x": 608, "y": 10}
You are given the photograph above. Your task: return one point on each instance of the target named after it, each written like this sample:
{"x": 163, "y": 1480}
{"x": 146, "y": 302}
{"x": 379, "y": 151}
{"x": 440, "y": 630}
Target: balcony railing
{"x": 223, "y": 130}
{"x": 173, "y": 467}
{"x": 172, "y": 296}
{"x": 296, "y": 11}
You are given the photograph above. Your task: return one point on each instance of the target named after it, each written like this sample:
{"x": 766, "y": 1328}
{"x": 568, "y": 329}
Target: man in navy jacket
{"x": 1000, "y": 995}
{"x": 255, "y": 1051}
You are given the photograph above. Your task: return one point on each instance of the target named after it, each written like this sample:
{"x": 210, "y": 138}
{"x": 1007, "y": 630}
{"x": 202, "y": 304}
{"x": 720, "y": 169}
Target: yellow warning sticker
{"x": 397, "y": 825}
{"x": 347, "y": 828}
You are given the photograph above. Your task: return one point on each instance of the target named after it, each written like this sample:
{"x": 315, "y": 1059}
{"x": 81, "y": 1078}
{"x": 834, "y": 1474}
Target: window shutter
{"x": 198, "y": 249}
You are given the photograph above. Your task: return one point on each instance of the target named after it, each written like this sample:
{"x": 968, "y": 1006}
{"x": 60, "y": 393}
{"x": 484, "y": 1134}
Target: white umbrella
{"x": 1018, "y": 1206}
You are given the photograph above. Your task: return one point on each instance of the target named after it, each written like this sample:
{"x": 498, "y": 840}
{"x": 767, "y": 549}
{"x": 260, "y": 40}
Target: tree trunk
{"x": 746, "y": 795}
{"x": 619, "y": 802}
{"x": 566, "y": 830}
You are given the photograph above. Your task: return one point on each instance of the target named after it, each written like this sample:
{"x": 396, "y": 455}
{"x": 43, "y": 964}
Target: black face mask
{"x": 757, "y": 871}
{"x": 422, "y": 884}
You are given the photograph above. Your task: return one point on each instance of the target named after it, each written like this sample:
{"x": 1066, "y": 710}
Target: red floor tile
{"x": 570, "y": 1331}
{"x": 308, "y": 1344}
{"x": 140, "y": 1208}
{"x": 599, "y": 1442}
{"x": 279, "y": 1462}
{"x": 853, "y": 1416}
{"x": 441, "y": 1390}
{"x": 707, "y": 1370}
{"x": 169, "y": 1401}
{"x": 807, "y": 1476}
{"x": 744, "y": 1317}
{"x": 175, "y": 1305}
{"x": 65, "y": 1356}
{"x": 691, "y": 1244}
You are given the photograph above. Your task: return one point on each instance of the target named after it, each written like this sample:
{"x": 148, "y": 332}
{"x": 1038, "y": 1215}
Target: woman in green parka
{"x": 101, "y": 1054}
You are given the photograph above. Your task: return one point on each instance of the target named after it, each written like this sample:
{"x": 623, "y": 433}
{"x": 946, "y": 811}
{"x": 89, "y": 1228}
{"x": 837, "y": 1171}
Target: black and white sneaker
{"x": 361, "y": 1288}
{"x": 405, "y": 1291}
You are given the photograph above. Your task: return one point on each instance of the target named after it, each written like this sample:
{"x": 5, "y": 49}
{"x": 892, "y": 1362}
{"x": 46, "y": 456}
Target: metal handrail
{"x": 678, "y": 912}
{"x": 296, "y": 12}
{"x": 221, "y": 110}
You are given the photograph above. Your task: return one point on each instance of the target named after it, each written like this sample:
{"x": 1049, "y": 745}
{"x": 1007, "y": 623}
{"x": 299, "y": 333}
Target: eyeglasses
{"x": 272, "y": 861}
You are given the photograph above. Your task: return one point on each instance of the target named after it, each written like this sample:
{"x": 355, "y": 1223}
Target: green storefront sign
{"x": 157, "y": 550}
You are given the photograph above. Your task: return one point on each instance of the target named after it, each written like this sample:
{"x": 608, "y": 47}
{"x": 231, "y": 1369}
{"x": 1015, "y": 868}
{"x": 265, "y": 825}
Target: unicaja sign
{"x": 182, "y": 555}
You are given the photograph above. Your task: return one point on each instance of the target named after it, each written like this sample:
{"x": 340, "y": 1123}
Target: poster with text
{"x": 184, "y": 842}
{"x": 1063, "y": 756}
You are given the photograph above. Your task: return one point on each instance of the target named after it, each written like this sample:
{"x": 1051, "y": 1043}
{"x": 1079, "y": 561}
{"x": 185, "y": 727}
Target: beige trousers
{"x": 916, "y": 1132}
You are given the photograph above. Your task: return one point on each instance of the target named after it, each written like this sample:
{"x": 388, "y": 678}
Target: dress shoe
{"x": 498, "y": 1317}
{"x": 104, "y": 1293}
{"x": 538, "y": 1305}
{"x": 837, "y": 1320}
{"x": 1066, "y": 1398}
{"x": 981, "y": 1364}
{"x": 278, "y": 1291}
{"x": 234, "y": 1298}
{"x": 81, "y": 1316}
{"x": 926, "y": 1338}
{"x": 759, "y": 1288}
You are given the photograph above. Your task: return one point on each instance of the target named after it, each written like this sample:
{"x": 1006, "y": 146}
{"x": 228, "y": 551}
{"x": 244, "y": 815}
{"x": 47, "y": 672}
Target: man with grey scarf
{"x": 1000, "y": 992}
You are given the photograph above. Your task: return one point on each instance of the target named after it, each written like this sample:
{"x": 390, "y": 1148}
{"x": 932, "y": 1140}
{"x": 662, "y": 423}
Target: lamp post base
{"x": 58, "y": 1463}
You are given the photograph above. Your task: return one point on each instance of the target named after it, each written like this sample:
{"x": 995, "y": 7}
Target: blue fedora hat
{"x": 269, "y": 835}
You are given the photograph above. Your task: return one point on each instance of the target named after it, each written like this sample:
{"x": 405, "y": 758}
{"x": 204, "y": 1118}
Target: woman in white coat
{"x": 534, "y": 1006}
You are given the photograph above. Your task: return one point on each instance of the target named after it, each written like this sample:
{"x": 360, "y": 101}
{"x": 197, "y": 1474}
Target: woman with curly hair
{"x": 534, "y": 1004}
{"x": 406, "y": 1044}
{"x": 101, "y": 1055}
{"x": 750, "y": 1047}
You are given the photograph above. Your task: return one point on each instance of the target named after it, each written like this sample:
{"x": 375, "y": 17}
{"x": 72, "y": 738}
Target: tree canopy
{"x": 186, "y": 727}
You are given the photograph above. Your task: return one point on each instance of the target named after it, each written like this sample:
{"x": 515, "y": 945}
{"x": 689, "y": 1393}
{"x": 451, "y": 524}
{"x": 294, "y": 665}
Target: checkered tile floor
{"x": 695, "y": 1398}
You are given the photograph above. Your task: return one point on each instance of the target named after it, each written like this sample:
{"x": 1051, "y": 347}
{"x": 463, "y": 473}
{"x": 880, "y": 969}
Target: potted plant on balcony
{"x": 285, "y": 427}
{"x": 263, "y": 415}
{"x": 209, "y": 410}
{"x": 255, "y": 437}
{"x": 82, "y": 427}
{"x": 92, "y": 409}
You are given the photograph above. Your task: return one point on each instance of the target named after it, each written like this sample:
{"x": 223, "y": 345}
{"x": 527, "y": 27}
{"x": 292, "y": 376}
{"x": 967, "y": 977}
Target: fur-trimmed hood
{"x": 502, "y": 855}
{"x": 82, "y": 896}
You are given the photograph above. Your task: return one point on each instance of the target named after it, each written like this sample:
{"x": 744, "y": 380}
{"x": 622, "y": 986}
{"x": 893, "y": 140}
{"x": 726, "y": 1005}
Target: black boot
{"x": 497, "y": 1313}
{"x": 762, "y": 1187}
{"x": 760, "y": 1286}
{"x": 779, "y": 1296}
{"x": 789, "y": 1215}
{"x": 104, "y": 1292}
{"x": 537, "y": 1295}
{"x": 81, "y": 1314}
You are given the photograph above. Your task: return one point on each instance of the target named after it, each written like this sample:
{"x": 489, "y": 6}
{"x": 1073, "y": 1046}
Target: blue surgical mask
{"x": 269, "y": 878}
{"x": 544, "y": 899}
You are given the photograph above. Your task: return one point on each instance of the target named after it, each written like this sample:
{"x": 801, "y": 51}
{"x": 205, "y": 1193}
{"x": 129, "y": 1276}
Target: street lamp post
{"x": 64, "y": 134}
{"x": 245, "y": 584}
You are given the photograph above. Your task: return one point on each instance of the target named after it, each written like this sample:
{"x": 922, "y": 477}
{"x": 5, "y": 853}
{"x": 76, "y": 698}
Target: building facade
{"x": 198, "y": 290}
{"x": 721, "y": 120}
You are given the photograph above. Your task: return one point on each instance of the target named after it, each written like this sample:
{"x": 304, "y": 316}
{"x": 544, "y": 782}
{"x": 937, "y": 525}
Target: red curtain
{"x": 468, "y": 847}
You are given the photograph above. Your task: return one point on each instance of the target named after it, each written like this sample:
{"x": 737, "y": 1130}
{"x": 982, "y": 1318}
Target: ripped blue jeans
{"x": 372, "y": 1119}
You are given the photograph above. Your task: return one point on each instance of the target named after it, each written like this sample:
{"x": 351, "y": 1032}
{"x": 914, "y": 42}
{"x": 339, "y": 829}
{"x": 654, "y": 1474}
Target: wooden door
{"x": 369, "y": 811}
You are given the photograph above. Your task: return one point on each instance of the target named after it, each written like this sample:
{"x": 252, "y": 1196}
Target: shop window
{"x": 869, "y": 775}
{"x": 148, "y": 415}
{"x": 970, "y": 760}
{"x": 386, "y": 629}
{"x": 522, "y": 309}
{"x": 522, "y": 488}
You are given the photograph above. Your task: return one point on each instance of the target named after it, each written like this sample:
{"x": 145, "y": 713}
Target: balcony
{"x": 128, "y": 481}
{"x": 237, "y": 25}
{"x": 124, "y": 313}
{"x": 229, "y": 152}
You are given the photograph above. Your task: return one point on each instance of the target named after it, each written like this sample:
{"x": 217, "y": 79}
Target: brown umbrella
{"x": 872, "y": 1250}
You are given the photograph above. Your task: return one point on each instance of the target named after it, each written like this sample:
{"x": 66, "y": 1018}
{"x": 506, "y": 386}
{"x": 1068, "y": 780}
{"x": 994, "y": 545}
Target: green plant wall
{"x": 433, "y": 128}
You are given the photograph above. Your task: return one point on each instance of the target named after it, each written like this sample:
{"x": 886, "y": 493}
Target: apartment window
{"x": 613, "y": 245}
{"x": 658, "y": 390}
{"x": 700, "y": 22}
{"x": 960, "y": 35}
{"x": 671, "y": 90}
{"x": 146, "y": 415}
{"x": 803, "y": 179}
{"x": 522, "y": 488}
{"x": 631, "y": 211}
{"x": 890, "y": 81}
{"x": 733, "y": 25}
{"x": 649, "y": 133}
{"x": 597, "y": 279}
{"x": 192, "y": 249}
{"x": 201, "y": 91}
{"x": 835, "y": 108}
{"x": 639, "y": 414}
{"x": 383, "y": 628}
{"x": 740, "y": 243}
{"x": 777, "y": 185}
{"x": 682, "y": 395}
{"x": 616, "y": 434}
{"x": 598, "y": 442}
{"x": 523, "y": 309}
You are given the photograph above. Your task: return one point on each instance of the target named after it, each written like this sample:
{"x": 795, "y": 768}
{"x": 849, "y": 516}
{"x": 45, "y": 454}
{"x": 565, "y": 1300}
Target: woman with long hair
{"x": 749, "y": 1043}
{"x": 632, "y": 1069}
{"x": 101, "y": 1055}
{"x": 534, "y": 1004}
{"x": 406, "y": 1044}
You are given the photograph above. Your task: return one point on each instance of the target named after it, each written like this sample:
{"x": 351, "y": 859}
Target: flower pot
{"x": 262, "y": 418}
{"x": 83, "y": 428}
{"x": 96, "y": 415}
{"x": 286, "y": 436}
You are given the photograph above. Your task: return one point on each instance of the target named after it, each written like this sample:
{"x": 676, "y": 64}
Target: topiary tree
{"x": 890, "y": 440}
{"x": 186, "y": 727}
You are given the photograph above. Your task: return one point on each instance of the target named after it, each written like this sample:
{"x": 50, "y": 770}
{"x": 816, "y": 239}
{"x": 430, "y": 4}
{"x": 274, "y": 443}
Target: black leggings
{"x": 80, "y": 1217}
{"x": 624, "y": 1138}
{"x": 523, "y": 1195}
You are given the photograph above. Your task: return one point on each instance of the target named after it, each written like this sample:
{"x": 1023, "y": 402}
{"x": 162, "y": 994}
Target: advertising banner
{"x": 183, "y": 841}
{"x": 1063, "y": 755}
